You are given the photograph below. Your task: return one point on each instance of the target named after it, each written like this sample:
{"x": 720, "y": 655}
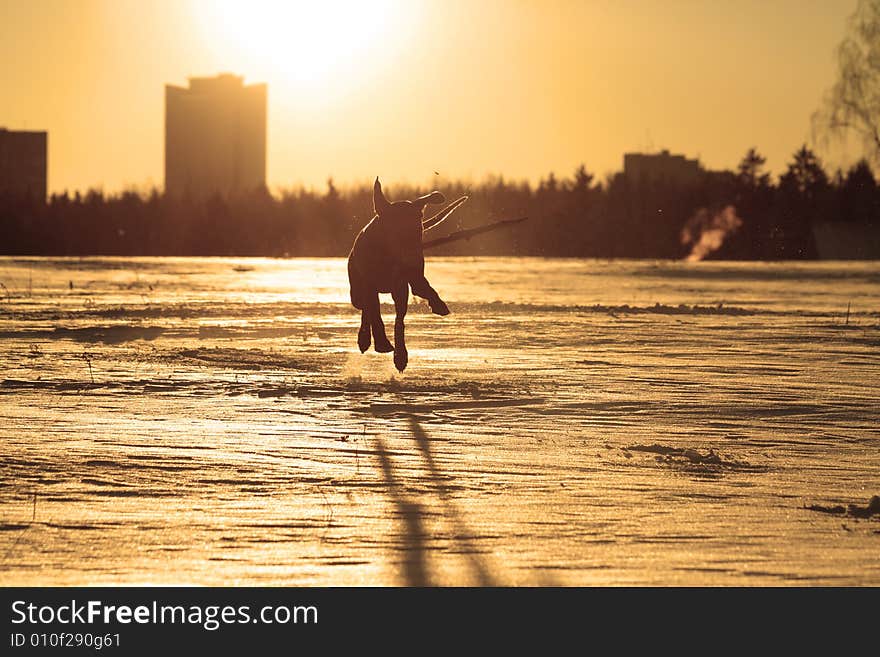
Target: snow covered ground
{"x": 211, "y": 421}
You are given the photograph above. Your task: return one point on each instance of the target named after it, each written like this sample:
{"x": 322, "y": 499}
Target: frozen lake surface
{"x": 211, "y": 421}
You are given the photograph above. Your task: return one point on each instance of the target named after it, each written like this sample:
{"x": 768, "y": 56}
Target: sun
{"x": 296, "y": 41}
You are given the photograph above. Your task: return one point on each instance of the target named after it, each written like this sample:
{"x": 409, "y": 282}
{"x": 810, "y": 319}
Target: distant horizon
{"x": 435, "y": 177}
{"x": 435, "y": 182}
{"x": 470, "y": 90}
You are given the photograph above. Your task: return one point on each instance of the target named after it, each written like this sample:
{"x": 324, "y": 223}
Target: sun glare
{"x": 300, "y": 42}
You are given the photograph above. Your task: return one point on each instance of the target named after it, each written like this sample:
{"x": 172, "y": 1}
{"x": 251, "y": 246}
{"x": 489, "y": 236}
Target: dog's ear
{"x": 380, "y": 203}
{"x": 432, "y": 198}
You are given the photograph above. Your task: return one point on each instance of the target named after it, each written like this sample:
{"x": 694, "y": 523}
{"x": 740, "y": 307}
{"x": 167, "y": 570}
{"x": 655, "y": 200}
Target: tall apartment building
{"x": 215, "y": 137}
{"x": 661, "y": 167}
{"x": 23, "y": 158}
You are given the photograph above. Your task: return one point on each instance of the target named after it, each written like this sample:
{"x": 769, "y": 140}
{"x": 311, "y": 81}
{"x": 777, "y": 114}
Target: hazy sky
{"x": 462, "y": 87}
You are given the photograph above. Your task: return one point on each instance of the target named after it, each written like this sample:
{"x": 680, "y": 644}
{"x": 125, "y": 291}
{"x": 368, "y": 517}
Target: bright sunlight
{"x": 301, "y": 42}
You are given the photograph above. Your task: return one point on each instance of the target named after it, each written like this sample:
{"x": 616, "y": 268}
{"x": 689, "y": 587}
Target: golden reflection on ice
{"x": 210, "y": 421}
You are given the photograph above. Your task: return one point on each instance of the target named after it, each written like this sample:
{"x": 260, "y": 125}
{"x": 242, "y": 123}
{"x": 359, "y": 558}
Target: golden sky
{"x": 403, "y": 89}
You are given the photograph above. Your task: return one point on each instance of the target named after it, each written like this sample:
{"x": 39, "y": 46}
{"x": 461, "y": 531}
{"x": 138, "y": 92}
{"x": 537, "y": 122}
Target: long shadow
{"x": 463, "y": 534}
{"x": 415, "y": 566}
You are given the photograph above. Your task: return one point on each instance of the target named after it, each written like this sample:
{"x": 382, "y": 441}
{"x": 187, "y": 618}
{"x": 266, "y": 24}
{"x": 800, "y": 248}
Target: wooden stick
{"x": 471, "y": 232}
{"x": 443, "y": 215}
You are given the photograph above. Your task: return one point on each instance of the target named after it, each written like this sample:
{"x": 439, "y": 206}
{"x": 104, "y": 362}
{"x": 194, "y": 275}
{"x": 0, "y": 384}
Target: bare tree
{"x": 852, "y": 105}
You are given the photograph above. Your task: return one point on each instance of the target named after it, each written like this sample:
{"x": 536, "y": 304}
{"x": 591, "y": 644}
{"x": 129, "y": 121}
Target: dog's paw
{"x": 439, "y": 307}
{"x": 384, "y": 346}
{"x": 364, "y": 340}
{"x": 401, "y": 358}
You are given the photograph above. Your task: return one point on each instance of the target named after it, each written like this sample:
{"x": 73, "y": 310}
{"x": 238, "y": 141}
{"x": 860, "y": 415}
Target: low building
{"x": 842, "y": 240}
{"x": 662, "y": 167}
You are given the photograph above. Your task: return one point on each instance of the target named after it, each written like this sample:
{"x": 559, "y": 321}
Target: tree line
{"x": 577, "y": 216}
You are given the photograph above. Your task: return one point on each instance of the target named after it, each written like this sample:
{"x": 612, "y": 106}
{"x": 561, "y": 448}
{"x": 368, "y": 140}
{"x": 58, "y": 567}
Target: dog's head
{"x": 403, "y": 222}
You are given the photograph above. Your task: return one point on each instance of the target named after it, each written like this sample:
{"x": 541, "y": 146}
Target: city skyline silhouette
{"x": 493, "y": 89}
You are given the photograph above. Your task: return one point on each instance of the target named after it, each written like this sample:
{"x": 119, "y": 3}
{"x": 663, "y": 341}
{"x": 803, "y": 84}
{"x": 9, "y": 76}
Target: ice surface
{"x": 210, "y": 421}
